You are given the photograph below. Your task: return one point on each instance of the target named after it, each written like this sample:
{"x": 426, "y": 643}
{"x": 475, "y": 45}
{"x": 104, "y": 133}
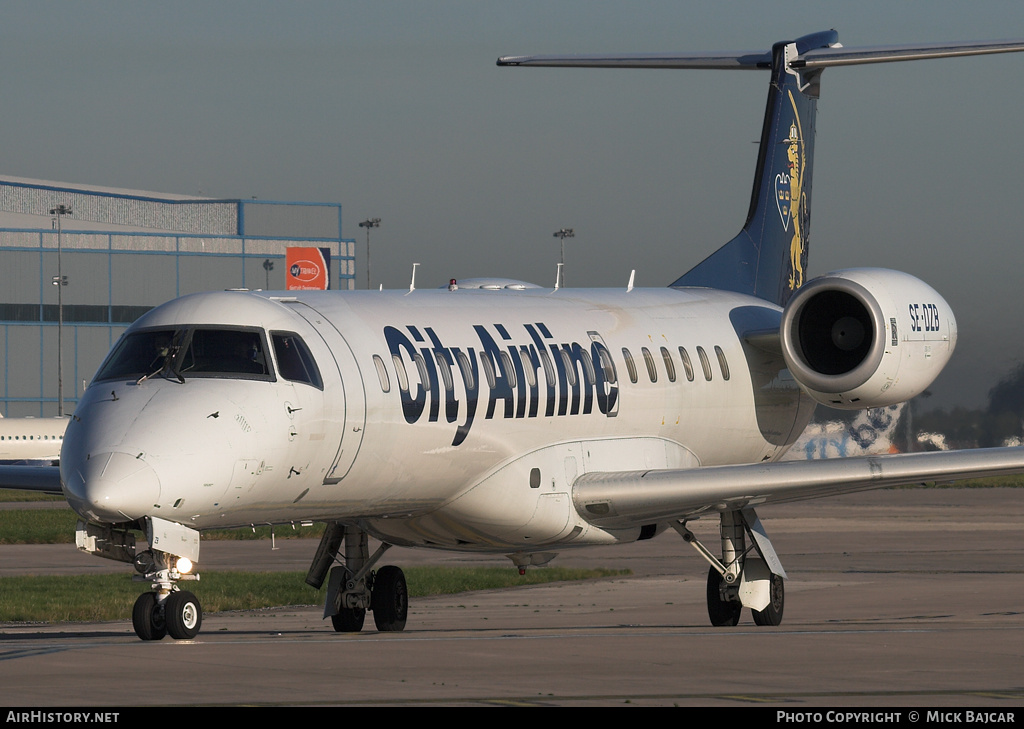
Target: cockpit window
{"x": 189, "y": 352}
{"x": 294, "y": 360}
{"x": 227, "y": 352}
{"x": 138, "y": 355}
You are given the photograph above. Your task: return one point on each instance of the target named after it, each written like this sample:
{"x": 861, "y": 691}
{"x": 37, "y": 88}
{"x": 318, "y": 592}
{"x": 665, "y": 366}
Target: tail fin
{"x": 769, "y": 256}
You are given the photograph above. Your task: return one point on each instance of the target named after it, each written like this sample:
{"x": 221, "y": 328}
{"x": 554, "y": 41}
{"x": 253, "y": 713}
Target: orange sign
{"x": 308, "y": 268}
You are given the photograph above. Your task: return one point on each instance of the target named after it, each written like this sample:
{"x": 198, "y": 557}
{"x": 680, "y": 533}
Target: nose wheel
{"x": 183, "y": 615}
{"x": 178, "y": 615}
{"x": 148, "y": 617}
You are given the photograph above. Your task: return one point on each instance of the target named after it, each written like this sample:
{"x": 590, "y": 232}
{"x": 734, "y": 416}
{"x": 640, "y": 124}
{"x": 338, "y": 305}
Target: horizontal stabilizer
{"x": 724, "y": 60}
{"x": 839, "y": 56}
{"x": 809, "y": 58}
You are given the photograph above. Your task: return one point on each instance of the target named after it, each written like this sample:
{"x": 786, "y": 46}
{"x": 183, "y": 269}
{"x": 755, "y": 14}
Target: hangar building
{"x": 123, "y": 252}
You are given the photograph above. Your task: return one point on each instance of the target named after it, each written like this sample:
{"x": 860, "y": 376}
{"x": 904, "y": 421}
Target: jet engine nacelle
{"x": 866, "y": 337}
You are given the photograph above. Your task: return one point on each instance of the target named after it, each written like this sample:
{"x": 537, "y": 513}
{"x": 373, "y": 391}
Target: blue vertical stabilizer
{"x": 768, "y": 258}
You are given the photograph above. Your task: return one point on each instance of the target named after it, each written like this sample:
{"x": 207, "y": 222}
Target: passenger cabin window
{"x": 722, "y": 363}
{"x": 687, "y": 365}
{"x": 510, "y": 371}
{"x": 588, "y": 367}
{"x": 403, "y": 376}
{"x": 570, "y": 369}
{"x": 652, "y": 371}
{"x": 549, "y": 368}
{"x": 529, "y": 370}
{"x": 294, "y": 360}
{"x": 607, "y": 366}
{"x": 466, "y": 369}
{"x": 485, "y": 362}
{"x": 444, "y": 367}
{"x": 382, "y": 373}
{"x": 704, "y": 363}
{"x": 670, "y": 367}
{"x": 630, "y": 365}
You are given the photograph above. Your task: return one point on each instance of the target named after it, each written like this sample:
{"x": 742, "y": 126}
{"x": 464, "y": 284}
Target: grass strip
{"x": 93, "y": 598}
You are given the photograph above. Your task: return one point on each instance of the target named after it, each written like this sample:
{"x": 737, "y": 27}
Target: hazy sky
{"x": 396, "y": 110}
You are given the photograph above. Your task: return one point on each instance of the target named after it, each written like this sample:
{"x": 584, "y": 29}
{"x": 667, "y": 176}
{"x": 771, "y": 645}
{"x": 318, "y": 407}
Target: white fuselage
{"x": 31, "y": 440}
{"x": 455, "y": 419}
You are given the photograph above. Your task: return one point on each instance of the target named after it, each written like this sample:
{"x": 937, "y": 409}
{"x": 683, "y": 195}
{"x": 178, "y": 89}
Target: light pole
{"x": 369, "y": 223}
{"x": 268, "y": 266}
{"x": 563, "y": 234}
{"x": 60, "y": 281}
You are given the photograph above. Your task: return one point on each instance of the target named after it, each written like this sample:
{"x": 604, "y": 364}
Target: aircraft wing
{"x": 42, "y": 479}
{"x": 632, "y": 498}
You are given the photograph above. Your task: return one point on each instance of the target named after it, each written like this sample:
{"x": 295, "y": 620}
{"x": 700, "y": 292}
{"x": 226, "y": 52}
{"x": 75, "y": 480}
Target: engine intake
{"x": 866, "y": 337}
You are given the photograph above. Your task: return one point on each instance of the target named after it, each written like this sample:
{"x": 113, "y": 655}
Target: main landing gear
{"x": 746, "y": 575}
{"x": 354, "y": 588}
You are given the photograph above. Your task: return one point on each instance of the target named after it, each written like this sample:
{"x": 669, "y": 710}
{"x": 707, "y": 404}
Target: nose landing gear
{"x": 177, "y": 614}
{"x": 166, "y": 610}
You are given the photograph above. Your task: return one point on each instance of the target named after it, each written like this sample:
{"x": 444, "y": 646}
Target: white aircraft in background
{"x": 31, "y": 441}
{"x": 512, "y": 418}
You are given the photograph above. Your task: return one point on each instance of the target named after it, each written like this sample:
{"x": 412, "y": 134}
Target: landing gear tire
{"x": 772, "y": 614}
{"x": 349, "y": 620}
{"x": 148, "y": 618}
{"x": 722, "y": 613}
{"x": 183, "y": 614}
{"x": 389, "y": 599}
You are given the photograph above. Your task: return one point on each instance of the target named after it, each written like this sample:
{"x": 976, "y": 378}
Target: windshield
{"x": 192, "y": 352}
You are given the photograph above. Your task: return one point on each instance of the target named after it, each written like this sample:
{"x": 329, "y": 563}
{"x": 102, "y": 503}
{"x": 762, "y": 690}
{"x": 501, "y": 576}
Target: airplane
{"x": 31, "y": 441}
{"x": 497, "y": 416}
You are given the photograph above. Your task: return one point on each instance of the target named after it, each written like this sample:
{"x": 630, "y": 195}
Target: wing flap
{"x": 632, "y": 498}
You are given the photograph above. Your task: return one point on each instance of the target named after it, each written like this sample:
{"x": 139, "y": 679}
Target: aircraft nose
{"x": 112, "y": 487}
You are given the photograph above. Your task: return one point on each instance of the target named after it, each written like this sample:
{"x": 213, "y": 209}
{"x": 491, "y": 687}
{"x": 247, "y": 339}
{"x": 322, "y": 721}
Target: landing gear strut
{"x": 353, "y": 588}
{"x": 746, "y": 575}
{"x": 166, "y": 609}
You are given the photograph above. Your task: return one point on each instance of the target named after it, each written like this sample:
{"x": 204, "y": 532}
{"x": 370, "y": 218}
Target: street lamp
{"x": 563, "y": 234}
{"x": 268, "y": 266}
{"x": 370, "y": 223}
{"x": 60, "y": 281}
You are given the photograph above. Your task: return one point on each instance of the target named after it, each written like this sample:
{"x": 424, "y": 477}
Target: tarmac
{"x": 896, "y": 598}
